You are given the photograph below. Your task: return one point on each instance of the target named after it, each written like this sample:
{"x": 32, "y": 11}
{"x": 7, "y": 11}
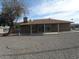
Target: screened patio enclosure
{"x": 45, "y": 25}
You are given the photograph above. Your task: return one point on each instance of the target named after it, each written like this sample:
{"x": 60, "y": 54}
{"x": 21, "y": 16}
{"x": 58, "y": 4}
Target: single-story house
{"x": 4, "y": 29}
{"x": 45, "y": 25}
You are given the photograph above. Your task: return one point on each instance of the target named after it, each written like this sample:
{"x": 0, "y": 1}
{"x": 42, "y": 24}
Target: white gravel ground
{"x": 58, "y": 46}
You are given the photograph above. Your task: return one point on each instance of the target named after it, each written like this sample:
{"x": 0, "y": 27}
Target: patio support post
{"x": 58, "y": 27}
{"x": 30, "y": 29}
{"x": 44, "y": 28}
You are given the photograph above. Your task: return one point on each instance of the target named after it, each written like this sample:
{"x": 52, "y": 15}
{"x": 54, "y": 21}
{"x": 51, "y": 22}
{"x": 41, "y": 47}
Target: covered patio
{"x": 43, "y": 26}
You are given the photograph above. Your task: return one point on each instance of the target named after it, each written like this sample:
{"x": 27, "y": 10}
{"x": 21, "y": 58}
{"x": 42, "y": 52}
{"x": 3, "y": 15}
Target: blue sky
{"x": 58, "y": 9}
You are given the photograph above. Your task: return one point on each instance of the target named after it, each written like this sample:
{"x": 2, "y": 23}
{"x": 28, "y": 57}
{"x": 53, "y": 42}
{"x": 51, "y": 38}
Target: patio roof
{"x": 45, "y": 21}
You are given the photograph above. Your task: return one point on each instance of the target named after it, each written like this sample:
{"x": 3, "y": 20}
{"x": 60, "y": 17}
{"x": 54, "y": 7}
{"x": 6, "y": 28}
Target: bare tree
{"x": 11, "y": 10}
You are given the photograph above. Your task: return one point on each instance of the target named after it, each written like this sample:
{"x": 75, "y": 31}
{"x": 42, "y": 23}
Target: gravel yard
{"x": 57, "y": 46}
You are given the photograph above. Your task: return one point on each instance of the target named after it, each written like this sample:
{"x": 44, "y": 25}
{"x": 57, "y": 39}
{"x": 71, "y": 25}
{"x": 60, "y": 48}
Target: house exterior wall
{"x": 64, "y": 27}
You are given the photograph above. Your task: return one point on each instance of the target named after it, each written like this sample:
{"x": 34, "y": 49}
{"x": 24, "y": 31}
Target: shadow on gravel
{"x": 34, "y": 34}
{"x": 44, "y": 51}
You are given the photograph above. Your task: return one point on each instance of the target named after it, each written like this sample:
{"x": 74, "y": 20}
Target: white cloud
{"x": 70, "y": 5}
{"x": 62, "y": 9}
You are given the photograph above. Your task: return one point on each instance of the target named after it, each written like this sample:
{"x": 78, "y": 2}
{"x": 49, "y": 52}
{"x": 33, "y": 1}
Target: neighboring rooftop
{"x": 45, "y": 21}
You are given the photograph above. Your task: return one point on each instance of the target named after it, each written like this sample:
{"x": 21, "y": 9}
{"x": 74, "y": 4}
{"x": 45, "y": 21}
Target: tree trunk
{"x": 10, "y": 29}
